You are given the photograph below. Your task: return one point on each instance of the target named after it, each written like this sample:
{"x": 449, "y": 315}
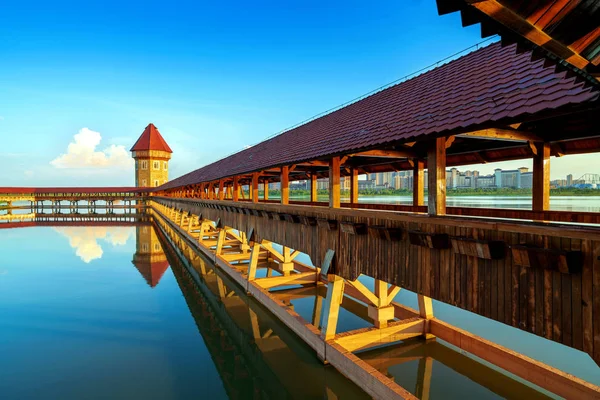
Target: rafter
{"x": 502, "y": 134}
{"x": 518, "y": 24}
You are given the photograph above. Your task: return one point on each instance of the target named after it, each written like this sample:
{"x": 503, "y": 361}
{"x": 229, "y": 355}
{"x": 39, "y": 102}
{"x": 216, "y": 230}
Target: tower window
{"x": 145, "y": 247}
{"x": 144, "y": 164}
{"x": 165, "y": 165}
{"x": 156, "y": 165}
{"x": 156, "y": 182}
{"x": 144, "y": 183}
{"x": 156, "y": 247}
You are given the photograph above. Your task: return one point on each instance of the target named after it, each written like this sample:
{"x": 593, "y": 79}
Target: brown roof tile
{"x": 491, "y": 84}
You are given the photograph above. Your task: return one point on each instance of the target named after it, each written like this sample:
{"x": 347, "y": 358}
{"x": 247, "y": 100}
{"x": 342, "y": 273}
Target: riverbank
{"x": 502, "y": 192}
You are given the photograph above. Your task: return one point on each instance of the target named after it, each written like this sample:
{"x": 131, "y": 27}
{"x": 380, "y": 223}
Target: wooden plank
{"x": 436, "y": 169}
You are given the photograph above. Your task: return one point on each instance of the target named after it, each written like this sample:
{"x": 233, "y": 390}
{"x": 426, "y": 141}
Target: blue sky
{"x": 212, "y": 76}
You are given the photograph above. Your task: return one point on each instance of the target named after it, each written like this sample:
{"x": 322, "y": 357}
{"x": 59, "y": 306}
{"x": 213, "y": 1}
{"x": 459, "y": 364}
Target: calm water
{"x": 79, "y": 319}
{"x": 558, "y": 203}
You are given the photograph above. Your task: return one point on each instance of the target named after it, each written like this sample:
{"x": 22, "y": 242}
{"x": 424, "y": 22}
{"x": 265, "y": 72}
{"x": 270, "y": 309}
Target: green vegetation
{"x": 305, "y": 194}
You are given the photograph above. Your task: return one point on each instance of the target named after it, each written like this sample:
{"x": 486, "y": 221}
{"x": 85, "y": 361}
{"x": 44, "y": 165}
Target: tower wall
{"x": 151, "y": 168}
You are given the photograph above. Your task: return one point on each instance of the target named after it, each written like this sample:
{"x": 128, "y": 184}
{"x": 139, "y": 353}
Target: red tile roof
{"x": 151, "y": 139}
{"x": 153, "y": 271}
{"x": 490, "y": 85}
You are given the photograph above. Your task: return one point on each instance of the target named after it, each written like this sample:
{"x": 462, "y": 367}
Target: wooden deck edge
{"x": 362, "y": 374}
{"x": 538, "y": 373}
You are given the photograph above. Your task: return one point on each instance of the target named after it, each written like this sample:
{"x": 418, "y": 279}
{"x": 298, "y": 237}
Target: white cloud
{"x": 85, "y": 239}
{"x": 82, "y": 153}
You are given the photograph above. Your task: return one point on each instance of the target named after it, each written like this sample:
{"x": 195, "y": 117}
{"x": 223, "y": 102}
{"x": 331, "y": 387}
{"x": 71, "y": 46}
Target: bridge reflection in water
{"x": 255, "y": 354}
{"x": 271, "y": 360}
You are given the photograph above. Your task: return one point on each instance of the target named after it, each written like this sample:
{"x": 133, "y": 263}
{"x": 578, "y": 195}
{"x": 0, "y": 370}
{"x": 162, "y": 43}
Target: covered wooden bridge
{"x": 525, "y": 268}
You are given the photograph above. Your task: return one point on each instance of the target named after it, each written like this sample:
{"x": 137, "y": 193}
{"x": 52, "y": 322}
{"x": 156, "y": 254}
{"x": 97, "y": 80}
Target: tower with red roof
{"x": 152, "y": 154}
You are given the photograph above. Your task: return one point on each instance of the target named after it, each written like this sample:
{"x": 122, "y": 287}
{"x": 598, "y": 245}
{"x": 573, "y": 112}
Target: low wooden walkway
{"x": 238, "y": 255}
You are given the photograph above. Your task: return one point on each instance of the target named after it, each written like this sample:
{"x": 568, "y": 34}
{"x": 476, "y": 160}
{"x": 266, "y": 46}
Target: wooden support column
{"x": 285, "y": 185}
{"x": 221, "y": 189}
{"x": 313, "y": 188}
{"x": 266, "y": 190}
{"x": 541, "y": 178}
{"x": 353, "y": 185}
{"x": 436, "y": 169}
{"x": 334, "y": 182}
{"x": 418, "y": 183}
{"x": 254, "y": 188}
{"x": 236, "y": 189}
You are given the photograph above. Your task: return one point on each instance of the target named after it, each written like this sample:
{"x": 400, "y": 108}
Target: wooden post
{"x": 313, "y": 188}
{"x": 418, "y": 183}
{"x": 236, "y": 189}
{"x": 266, "y": 190}
{"x": 436, "y": 168}
{"x": 285, "y": 183}
{"x": 335, "y": 295}
{"x": 221, "y": 189}
{"x": 353, "y": 186}
{"x": 254, "y": 189}
{"x": 426, "y": 312}
{"x": 334, "y": 182}
{"x": 541, "y": 178}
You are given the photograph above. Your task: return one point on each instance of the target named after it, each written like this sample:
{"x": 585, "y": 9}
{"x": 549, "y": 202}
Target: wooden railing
{"x": 537, "y": 276}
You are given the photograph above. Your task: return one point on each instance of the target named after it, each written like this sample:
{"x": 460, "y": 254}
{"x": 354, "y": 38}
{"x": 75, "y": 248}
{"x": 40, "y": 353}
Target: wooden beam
{"x": 549, "y": 378}
{"x": 313, "y": 188}
{"x": 418, "y": 183}
{"x": 254, "y": 188}
{"x": 436, "y": 169}
{"x": 285, "y": 185}
{"x": 353, "y": 185}
{"x": 265, "y": 190}
{"x": 517, "y": 24}
{"x": 365, "y": 338}
{"x": 334, "y": 182}
{"x": 286, "y": 280}
{"x": 386, "y": 153}
{"x": 541, "y": 178}
{"x": 502, "y": 134}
